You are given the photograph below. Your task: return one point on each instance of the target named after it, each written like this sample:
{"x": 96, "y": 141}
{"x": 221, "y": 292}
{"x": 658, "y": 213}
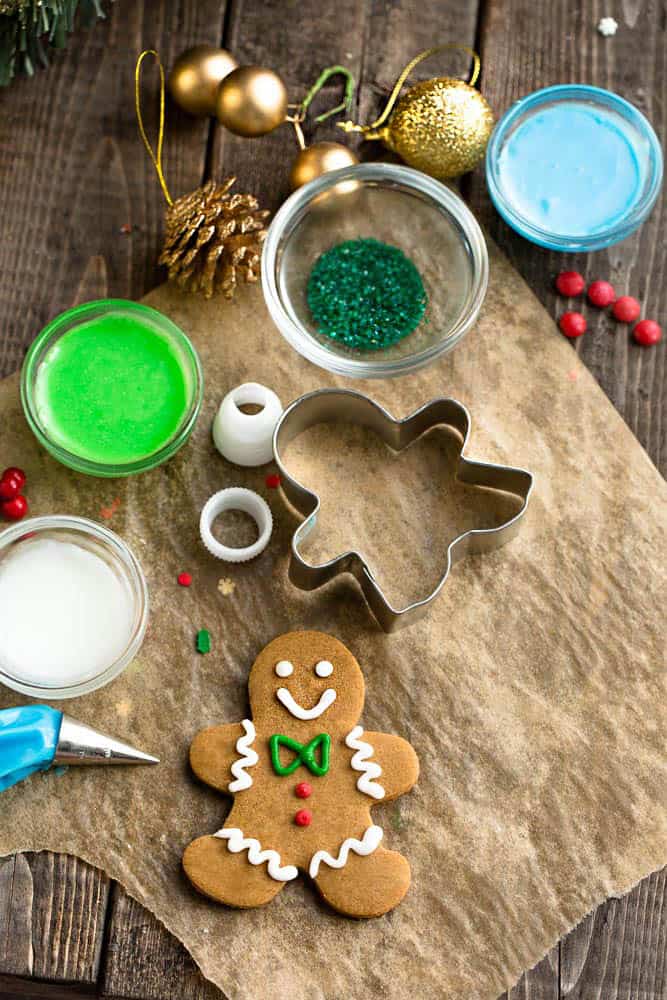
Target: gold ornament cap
{"x": 196, "y": 76}
{"x": 318, "y": 159}
{"x": 251, "y": 101}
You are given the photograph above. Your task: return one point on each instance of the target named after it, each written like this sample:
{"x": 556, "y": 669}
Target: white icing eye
{"x": 324, "y": 668}
{"x": 284, "y": 668}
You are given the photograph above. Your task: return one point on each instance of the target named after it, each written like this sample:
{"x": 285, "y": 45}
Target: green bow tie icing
{"x": 305, "y": 755}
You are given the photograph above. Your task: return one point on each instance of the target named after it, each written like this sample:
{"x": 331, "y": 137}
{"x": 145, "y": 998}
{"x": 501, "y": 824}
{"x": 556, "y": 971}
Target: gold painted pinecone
{"x": 213, "y": 237}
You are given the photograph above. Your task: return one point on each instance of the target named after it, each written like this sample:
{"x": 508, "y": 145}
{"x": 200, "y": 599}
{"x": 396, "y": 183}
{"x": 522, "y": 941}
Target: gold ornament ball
{"x": 196, "y": 76}
{"x": 441, "y": 127}
{"x": 318, "y": 159}
{"x": 251, "y": 101}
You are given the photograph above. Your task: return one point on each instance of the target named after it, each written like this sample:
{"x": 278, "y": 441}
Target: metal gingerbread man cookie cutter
{"x": 345, "y": 405}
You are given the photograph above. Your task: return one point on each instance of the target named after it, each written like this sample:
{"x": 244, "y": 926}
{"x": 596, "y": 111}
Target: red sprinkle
{"x": 601, "y": 294}
{"x": 15, "y": 473}
{"x": 303, "y": 817}
{"x": 184, "y": 579}
{"x": 572, "y": 324}
{"x": 626, "y": 309}
{"x": 303, "y": 790}
{"x": 570, "y": 283}
{"x": 15, "y": 509}
{"x": 10, "y": 487}
{"x": 647, "y": 333}
{"x": 273, "y": 480}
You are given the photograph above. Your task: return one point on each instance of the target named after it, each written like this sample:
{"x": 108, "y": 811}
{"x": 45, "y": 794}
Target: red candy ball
{"x": 570, "y": 283}
{"x": 303, "y": 817}
{"x": 572, "y": 324}
{"x": 626, "y": 309}
{"x": 15, "y": 509}
{"x": 601, "y": 294}
{"x": 273, "y": 480}
{"x": 303, "y": 790}
{"x": 647, "y": 333}
{"x": 10, "y": 487}
{"x": 184, "y": 579}
{"x": 16, "y": 473}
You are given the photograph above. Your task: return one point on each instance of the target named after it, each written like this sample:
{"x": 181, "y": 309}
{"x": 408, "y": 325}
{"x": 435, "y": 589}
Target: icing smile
{"x": 327, "y": 698}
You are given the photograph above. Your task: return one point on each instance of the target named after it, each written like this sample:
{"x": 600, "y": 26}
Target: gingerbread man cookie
{"x": 304, "y": 775}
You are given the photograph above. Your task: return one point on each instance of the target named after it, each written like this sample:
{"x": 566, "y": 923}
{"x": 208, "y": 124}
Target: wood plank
{"x": 144, "y": 961}
{"x": 73, "y": 174}
{"x": 523, "y": 49}
{"x": 539, "y": 983}
{"x": 620, "y": 951}
{"x": 52, "y": 913}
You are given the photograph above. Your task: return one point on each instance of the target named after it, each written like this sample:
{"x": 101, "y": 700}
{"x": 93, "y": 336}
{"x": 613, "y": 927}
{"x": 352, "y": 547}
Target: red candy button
{"x": 15, "y": 509}
{"x": 601, "y": 294}
{"x": 303, "y": 817}
{"x": 303, "y": 790}
{"x": 647, "y": 333}
{"x": 570, "y": 283}
{"x": 184, "y": 579}
{"x": 626, "y": 309}
{"x": 572, "y": 324}
{"x": 273, "y": 480}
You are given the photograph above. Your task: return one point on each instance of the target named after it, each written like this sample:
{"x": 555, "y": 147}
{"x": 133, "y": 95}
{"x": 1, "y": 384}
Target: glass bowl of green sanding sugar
{"x": 374, "y": 270}
{"x": 112, "y": 388}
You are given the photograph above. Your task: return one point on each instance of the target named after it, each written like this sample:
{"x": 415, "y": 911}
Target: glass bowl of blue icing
{"x": 574, "y": 167}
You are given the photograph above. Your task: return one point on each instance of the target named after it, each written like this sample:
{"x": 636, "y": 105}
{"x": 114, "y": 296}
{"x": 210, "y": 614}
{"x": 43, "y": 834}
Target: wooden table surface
{"x": 73, "y": 177}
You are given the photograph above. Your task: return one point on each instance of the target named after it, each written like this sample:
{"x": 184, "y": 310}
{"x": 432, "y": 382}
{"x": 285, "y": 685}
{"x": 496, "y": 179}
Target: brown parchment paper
{"x": 533, "y": 691}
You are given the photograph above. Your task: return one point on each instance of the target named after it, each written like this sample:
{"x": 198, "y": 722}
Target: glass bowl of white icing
{"x": 73, "y": 606}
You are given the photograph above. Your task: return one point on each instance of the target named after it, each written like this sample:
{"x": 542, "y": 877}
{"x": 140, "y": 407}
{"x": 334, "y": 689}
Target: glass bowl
{"x": 621, "y": 140}
{"x": 45, "y": 349}
{"x": 396, "y": 205}
{"x": 98, "y": 541}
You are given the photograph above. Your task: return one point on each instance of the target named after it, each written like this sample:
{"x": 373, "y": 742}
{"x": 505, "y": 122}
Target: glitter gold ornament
{"x": 251, "y": 101}
{"x": 196, "y": 76}
{"x": 213, "y": 238}
{"x": 440, "y": 126}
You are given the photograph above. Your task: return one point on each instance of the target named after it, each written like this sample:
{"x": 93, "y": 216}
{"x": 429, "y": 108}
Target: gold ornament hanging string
{"x": 370, "y": 130}
{"x": 299, "y": 117}
{"x": 156, "y": 157}
{"x": 211, "y": 236}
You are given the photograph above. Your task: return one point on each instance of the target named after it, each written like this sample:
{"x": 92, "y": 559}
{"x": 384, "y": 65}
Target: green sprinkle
{"x": 203, "y": 641}
{"x": 366, "y": 294}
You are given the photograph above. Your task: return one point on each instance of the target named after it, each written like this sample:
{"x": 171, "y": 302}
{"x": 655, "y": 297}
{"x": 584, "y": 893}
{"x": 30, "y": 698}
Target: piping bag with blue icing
{"x": 33, "y": 737}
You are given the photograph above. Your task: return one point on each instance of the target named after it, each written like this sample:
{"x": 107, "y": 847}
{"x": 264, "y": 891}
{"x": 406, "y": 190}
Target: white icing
{"x": 368, "y": 843}
{"x": 324, "y": 668}
{"x": 327, "y": 698}
{"x": 236, "y": 843}
{"x": 284, "y": 668}
{"x": 365, "y": 783}
{"x": 248, "y": 758}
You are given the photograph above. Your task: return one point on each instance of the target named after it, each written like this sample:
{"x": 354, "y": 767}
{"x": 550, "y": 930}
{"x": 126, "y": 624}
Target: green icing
{"x": 303, "y": 754}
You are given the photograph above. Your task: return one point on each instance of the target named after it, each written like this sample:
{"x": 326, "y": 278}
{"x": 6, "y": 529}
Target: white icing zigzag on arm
{"x": 248, "y": 759}
{"x": 365, "y": 846}
{"x": 365, "y": 783}
{"x": 236, "y": 843}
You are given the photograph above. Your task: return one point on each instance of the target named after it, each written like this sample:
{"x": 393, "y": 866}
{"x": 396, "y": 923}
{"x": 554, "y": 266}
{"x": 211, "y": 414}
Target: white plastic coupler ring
{"x": 247, "y": 438}
{"x": 236, "y": 498}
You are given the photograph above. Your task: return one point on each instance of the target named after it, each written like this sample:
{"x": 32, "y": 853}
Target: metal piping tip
{"x": 79, "y": 744}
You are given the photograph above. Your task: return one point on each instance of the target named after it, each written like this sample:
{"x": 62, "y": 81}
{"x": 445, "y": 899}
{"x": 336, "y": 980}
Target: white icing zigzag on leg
{"x": 248, "y": 758}
{"x": 365, "y": 846}
{"x": 364, "y": 751}
{"x": 236, "y": 843}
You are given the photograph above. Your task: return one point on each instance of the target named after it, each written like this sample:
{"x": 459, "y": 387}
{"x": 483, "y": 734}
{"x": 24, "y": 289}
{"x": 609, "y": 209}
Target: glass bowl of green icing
{"x": 374, "y": 270}
{"x": 112, "y": 388}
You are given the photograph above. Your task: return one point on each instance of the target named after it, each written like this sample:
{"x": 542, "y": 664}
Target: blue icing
{"x": 570, "y": 169}
{"x": 28, "y": 741}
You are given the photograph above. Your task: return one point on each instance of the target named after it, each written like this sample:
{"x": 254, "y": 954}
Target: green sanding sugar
{"x": 366, "y": 294}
